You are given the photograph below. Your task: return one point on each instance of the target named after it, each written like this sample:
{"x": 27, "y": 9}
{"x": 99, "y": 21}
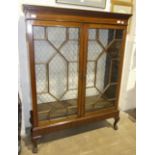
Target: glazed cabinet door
{"x": 103, "y": 64}
{"x": 56, "y": 48}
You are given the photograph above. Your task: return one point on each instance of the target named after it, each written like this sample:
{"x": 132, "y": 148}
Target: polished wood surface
{"x": 54, "y": 10}
{"x": 48, "y": 16}
{"x": 32, "y": 73}
{"x": 67, "y": 123}
{"x": 61, "y": 14}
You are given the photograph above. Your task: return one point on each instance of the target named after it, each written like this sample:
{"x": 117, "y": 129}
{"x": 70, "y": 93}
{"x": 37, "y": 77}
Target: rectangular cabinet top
{"x": 38, "y": 10}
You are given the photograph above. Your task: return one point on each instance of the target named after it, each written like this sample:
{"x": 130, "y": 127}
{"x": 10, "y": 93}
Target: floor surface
{"x": 93, "y": 139}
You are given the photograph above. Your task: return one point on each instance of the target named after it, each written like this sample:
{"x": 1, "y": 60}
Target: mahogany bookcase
{"x": 76, "y": 60}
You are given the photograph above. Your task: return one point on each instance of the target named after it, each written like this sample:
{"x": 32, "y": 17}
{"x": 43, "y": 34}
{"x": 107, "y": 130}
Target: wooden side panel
{"x": 121, "y": 66}
{"x": 34, "y": 114}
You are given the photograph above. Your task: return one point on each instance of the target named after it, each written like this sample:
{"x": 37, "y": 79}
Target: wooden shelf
{"x": 65, "y": 108}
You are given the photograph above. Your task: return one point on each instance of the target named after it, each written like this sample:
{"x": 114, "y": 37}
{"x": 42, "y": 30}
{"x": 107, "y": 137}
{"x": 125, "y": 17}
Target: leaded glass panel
{"x": 104, "y": 47}
{"x": 56, "y": 52}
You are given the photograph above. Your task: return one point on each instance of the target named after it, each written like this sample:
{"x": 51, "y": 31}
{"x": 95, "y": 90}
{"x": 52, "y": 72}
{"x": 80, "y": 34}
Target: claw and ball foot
{"x": 115, "y": 123}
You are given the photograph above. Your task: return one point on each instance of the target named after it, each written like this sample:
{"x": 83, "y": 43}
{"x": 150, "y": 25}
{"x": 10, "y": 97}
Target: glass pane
{"x": 56, "y": 67}
{"x": 102, "y": 68}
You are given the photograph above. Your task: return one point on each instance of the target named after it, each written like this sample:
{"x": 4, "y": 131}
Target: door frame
{"x": 29, "y": 33}
{"x": 102, "y": 26}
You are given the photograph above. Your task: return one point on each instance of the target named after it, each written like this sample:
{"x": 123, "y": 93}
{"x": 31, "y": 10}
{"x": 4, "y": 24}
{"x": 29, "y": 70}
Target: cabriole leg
{"x": 35, "y": 146}
{"x": 115, "y": 123}
{"x": 34, "y": 140}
